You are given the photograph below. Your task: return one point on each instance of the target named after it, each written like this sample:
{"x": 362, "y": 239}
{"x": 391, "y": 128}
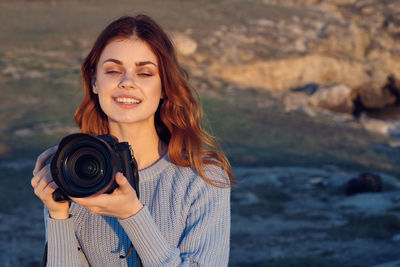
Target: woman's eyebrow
{"x": 142, "y": 63}
{"x": 138, "y": 64}
{"x": 116, "y": 61}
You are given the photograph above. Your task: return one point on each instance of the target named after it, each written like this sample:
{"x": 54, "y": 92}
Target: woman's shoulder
{"x": 184, "y": 177}
{"x": 190, "y": 178}
{"x": 201, "y": 192}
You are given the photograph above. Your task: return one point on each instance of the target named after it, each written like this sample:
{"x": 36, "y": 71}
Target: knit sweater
{"x": 184, "y": 221}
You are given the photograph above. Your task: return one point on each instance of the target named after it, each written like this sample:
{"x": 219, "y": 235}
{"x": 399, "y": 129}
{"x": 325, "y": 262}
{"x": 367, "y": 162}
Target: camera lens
{"x": 84, "y": 165}
{"x": 87, "y": 167}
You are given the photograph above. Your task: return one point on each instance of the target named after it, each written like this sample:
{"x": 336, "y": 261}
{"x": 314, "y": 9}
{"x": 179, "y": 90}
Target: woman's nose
{"x": 126, "y": 82}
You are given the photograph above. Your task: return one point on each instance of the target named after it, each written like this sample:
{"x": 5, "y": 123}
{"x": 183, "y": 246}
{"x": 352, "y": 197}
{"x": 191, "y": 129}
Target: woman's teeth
{"x": 125, "y": 100}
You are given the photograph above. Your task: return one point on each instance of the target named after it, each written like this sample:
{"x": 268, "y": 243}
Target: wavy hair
{"x": 179, "y": 117}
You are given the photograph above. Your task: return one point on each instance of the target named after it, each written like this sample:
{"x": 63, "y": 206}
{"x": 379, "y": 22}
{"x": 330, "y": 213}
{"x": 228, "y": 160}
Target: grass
{"x": 250, "y": 135}
{"x": 269, "y": 136}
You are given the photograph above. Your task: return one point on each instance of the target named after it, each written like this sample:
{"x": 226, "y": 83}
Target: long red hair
{"x": 179, "y": 117}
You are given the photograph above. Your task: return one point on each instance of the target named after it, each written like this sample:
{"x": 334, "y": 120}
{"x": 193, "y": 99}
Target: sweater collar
{"x": 154, "y": 169}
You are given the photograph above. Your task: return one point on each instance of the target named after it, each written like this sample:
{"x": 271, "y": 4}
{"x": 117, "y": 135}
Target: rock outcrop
{"x": 348, "y": 42}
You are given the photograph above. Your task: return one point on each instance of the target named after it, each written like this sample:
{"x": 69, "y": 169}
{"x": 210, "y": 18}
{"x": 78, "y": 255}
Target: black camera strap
{"x": 44, "y": 258}
{"x": 136, "y": 186}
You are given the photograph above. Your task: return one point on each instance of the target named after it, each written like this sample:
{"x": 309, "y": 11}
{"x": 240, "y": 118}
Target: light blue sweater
{"x": 184, "y": 222}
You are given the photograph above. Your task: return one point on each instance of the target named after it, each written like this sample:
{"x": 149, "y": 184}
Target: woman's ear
{"x": 93, "y": 85}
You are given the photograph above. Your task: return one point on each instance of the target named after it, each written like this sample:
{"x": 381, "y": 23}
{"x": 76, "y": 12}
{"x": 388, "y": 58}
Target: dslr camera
{"x": 86, "y": 165}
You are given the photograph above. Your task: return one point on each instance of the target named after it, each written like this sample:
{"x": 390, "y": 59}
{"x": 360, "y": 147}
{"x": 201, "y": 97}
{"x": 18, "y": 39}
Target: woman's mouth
{"x": 127, "y": 101}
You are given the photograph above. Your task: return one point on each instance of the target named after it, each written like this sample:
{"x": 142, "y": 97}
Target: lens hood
{"x": 84, "y": 165}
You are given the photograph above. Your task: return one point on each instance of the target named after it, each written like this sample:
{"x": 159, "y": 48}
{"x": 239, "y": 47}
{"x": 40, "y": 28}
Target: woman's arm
{"x": 62, "y": 245}
{"x": 204, "y": 241}
{"x": 60, "y": 235}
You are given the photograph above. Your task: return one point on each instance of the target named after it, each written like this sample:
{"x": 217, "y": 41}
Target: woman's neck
{"x": 145, "y": 143}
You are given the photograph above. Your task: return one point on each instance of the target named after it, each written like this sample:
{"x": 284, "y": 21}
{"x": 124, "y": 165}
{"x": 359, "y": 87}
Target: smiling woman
{"x": 136, "y": 91}
{"x": 128, "y": 84}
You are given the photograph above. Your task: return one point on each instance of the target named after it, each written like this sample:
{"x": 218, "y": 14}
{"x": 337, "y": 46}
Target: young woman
{"x": 136, "y": 91}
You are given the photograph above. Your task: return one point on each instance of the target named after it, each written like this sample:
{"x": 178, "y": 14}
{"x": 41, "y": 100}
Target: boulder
{"x": 377, "y": 126}
{"x": 184, "y": 44}
{"x": 365, "y": 182}
{"x": 334, "y": 97}
{"x": 377, "y": 95}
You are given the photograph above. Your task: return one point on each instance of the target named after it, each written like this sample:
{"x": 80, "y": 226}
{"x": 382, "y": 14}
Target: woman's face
{"x": 127, "y": 82}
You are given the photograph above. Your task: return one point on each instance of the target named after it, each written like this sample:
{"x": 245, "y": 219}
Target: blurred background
{"x": 302, "y": 94}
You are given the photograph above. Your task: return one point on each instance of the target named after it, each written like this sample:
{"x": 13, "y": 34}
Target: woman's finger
{"x": 36, "y": 179}
{"x": 42, "y": 158}
{"x": 45, "y": 180}
{"x": 90, "y": 200}
{"x": 49, "y": 188}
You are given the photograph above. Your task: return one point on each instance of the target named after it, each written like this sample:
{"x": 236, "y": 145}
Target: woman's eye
{"x": 111, "y": 72}
{"x": 145, "y": 74}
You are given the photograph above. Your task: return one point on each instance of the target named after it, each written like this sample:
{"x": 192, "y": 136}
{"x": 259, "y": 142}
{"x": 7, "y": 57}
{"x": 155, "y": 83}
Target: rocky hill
{"x": 342, "y": 42}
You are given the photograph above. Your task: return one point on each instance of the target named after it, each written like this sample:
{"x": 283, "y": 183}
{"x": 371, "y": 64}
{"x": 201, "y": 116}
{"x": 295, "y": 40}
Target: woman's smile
{"x": 127, "y": 101}
{"x": 128, "y": 83}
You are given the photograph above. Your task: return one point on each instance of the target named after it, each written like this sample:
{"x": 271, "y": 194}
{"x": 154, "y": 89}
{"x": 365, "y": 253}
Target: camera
{"x": 85, "y": 165}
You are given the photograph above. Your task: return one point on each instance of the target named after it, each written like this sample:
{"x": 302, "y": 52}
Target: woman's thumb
{"x": 120, "y": 179}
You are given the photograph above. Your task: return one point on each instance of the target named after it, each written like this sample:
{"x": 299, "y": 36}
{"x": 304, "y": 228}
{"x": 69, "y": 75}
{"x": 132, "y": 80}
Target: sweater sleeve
{"x": 62, "y": 245}
{"x": 204, "y": 241}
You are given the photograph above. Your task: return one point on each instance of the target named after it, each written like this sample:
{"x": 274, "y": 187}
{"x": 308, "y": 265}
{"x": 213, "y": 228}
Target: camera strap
{"x": 44, "y": 258}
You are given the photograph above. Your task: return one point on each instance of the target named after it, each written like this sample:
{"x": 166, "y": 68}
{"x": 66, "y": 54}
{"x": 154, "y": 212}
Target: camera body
{"x": 85, "y": 165}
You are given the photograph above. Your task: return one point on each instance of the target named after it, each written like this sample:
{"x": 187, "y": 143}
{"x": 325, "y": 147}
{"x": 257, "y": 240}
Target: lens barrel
{"x": 84, "y": 165}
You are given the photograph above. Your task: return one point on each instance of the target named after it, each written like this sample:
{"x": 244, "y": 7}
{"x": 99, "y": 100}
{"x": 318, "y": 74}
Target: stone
{"x": 12, "y": 71}
{"x": 318, "y": 182}
{"x": 309, "y": 88}
{"x": 365, "y": 182}
{"x": 184, "y": 44}
{"x": 24, "y": 132}
{"x": 375, "y": 95}
{"x": 368, "y": 10}
{"x": 377, "y": 126}
{"x": 336, "y": 98}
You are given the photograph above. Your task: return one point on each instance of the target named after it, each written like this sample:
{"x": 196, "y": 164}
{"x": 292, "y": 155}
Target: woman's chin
{"x": 120, "y": 120}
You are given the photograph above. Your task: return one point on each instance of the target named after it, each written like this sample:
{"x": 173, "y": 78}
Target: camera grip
{"x": 59, "y": 196}
{"x": 129, "y": 165}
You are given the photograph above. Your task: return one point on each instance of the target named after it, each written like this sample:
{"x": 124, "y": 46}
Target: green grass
{"x": 269, "y": 136}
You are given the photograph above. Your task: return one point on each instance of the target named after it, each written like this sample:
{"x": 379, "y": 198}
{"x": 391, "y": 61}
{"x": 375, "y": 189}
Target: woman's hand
{"x": 121, "y": 203}
{"x": 44, "y": 186}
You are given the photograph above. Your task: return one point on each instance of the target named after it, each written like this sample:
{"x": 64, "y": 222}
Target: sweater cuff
{"x": 147, "y": 238}
{"x": 62, "y": 243}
